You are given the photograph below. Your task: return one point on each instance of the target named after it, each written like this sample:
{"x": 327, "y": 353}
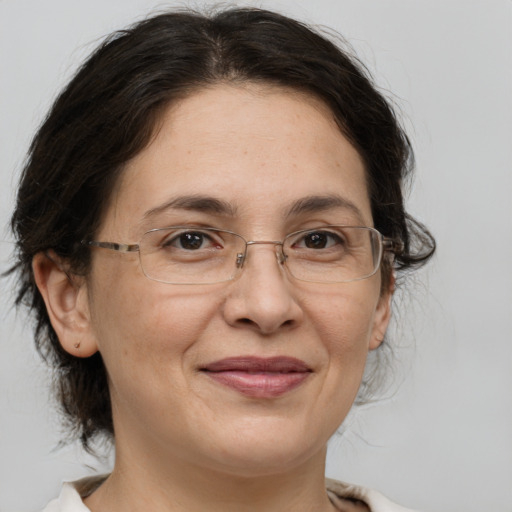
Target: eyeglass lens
{"x": 189, "y": 255}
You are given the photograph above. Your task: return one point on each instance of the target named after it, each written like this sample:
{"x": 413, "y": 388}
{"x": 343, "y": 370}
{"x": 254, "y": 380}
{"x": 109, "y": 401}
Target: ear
{"x": 382, "y": 314}
{"x": 66, "y": 301}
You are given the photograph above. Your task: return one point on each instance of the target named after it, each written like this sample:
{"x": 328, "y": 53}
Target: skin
{"x": 183, "y": 440}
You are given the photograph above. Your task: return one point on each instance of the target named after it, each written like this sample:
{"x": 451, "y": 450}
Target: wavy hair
{"x": 108, "y": 112}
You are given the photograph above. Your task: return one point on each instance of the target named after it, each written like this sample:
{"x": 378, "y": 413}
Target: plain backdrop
{"x": 443, "y": 440}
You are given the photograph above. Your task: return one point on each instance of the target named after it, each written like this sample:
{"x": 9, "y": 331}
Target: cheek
{"x": 343, "y": 321}
{"x": 145, "y": 326}
{"x": 146, "y": 337}
{"x": 344, "y": 315}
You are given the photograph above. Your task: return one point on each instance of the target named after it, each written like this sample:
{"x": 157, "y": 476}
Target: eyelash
{"x": 178, "y": 238}
{"x": 324, "y": 239}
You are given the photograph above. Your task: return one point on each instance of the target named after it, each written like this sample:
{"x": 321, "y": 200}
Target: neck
{"x": 135, "y": 484}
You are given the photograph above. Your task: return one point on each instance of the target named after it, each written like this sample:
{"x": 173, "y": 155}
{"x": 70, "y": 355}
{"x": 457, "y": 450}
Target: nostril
{"x": 262, "y": 327}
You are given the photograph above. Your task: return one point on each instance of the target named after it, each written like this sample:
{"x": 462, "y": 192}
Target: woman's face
{"x": 246, "y": 159}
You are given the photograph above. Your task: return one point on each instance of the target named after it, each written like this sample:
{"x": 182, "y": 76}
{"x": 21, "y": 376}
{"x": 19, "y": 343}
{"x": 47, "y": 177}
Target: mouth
{"x": 259, "y": 377}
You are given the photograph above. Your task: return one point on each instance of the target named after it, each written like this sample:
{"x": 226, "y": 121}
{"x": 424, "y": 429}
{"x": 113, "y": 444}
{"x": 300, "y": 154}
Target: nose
{"x": 262, "y": 298}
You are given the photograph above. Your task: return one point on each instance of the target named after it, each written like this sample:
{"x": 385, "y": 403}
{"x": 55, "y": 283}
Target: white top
{"x": 70, "y": 499}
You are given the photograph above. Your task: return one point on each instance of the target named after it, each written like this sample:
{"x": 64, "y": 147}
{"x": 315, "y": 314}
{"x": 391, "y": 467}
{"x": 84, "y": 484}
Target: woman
{"x": 210, "y": 226}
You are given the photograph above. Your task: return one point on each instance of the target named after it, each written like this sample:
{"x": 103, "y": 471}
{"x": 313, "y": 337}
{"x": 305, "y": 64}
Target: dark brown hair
{"x": 108, "y": 112}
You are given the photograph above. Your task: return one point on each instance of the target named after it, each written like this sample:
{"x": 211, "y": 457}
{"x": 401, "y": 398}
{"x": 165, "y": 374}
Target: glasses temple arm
{"x": 113, "y": 246}
{"x": 394, "y": 246}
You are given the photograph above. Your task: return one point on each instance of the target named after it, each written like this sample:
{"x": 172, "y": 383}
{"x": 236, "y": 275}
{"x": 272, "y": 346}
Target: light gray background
{"x": 443, "y": 442}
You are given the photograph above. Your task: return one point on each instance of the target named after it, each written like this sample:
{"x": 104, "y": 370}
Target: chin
{"x": 269, "y": 451}
{"x": 258, "y": 465}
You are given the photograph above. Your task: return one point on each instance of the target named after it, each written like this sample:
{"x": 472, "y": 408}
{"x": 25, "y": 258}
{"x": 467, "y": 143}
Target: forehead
{"x": 255, "y": 148}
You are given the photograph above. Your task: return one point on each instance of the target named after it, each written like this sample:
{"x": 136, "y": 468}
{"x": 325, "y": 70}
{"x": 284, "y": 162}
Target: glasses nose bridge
{"x": 279, "y": 245}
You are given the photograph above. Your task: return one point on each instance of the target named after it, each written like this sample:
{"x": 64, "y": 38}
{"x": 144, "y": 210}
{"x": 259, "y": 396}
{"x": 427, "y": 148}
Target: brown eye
{"x": 190, "y": 241}
{"x": 315, "y": 241}
{"x": 319, "y": 240}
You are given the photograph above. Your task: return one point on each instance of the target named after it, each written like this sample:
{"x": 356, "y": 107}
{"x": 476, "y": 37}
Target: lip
{"x": 259, "y": 377}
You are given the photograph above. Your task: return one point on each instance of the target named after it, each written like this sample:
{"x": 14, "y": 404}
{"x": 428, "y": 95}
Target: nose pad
{"x": 280, "y": 255}
{"x": 263, "y": 300}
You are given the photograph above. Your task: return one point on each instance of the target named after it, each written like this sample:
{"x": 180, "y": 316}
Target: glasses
{"x": 196, "y": 255}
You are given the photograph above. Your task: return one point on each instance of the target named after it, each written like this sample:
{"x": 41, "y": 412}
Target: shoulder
{"x": 339, "y": 492}
{"x": 70, "y": 498}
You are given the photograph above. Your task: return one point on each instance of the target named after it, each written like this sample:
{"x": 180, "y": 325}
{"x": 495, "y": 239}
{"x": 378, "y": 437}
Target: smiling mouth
{"x": 259, "y": 377}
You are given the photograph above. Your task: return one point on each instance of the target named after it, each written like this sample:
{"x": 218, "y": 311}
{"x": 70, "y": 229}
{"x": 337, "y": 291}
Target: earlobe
{"x": 382, "y": 315}
{"x": 66, "y": 302}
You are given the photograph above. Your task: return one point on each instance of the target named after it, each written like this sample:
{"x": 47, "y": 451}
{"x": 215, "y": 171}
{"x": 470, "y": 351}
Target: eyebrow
{"x": 317, "y": 203}
{"x": 206, "y": 204}
{"x": 212, "y": 205}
